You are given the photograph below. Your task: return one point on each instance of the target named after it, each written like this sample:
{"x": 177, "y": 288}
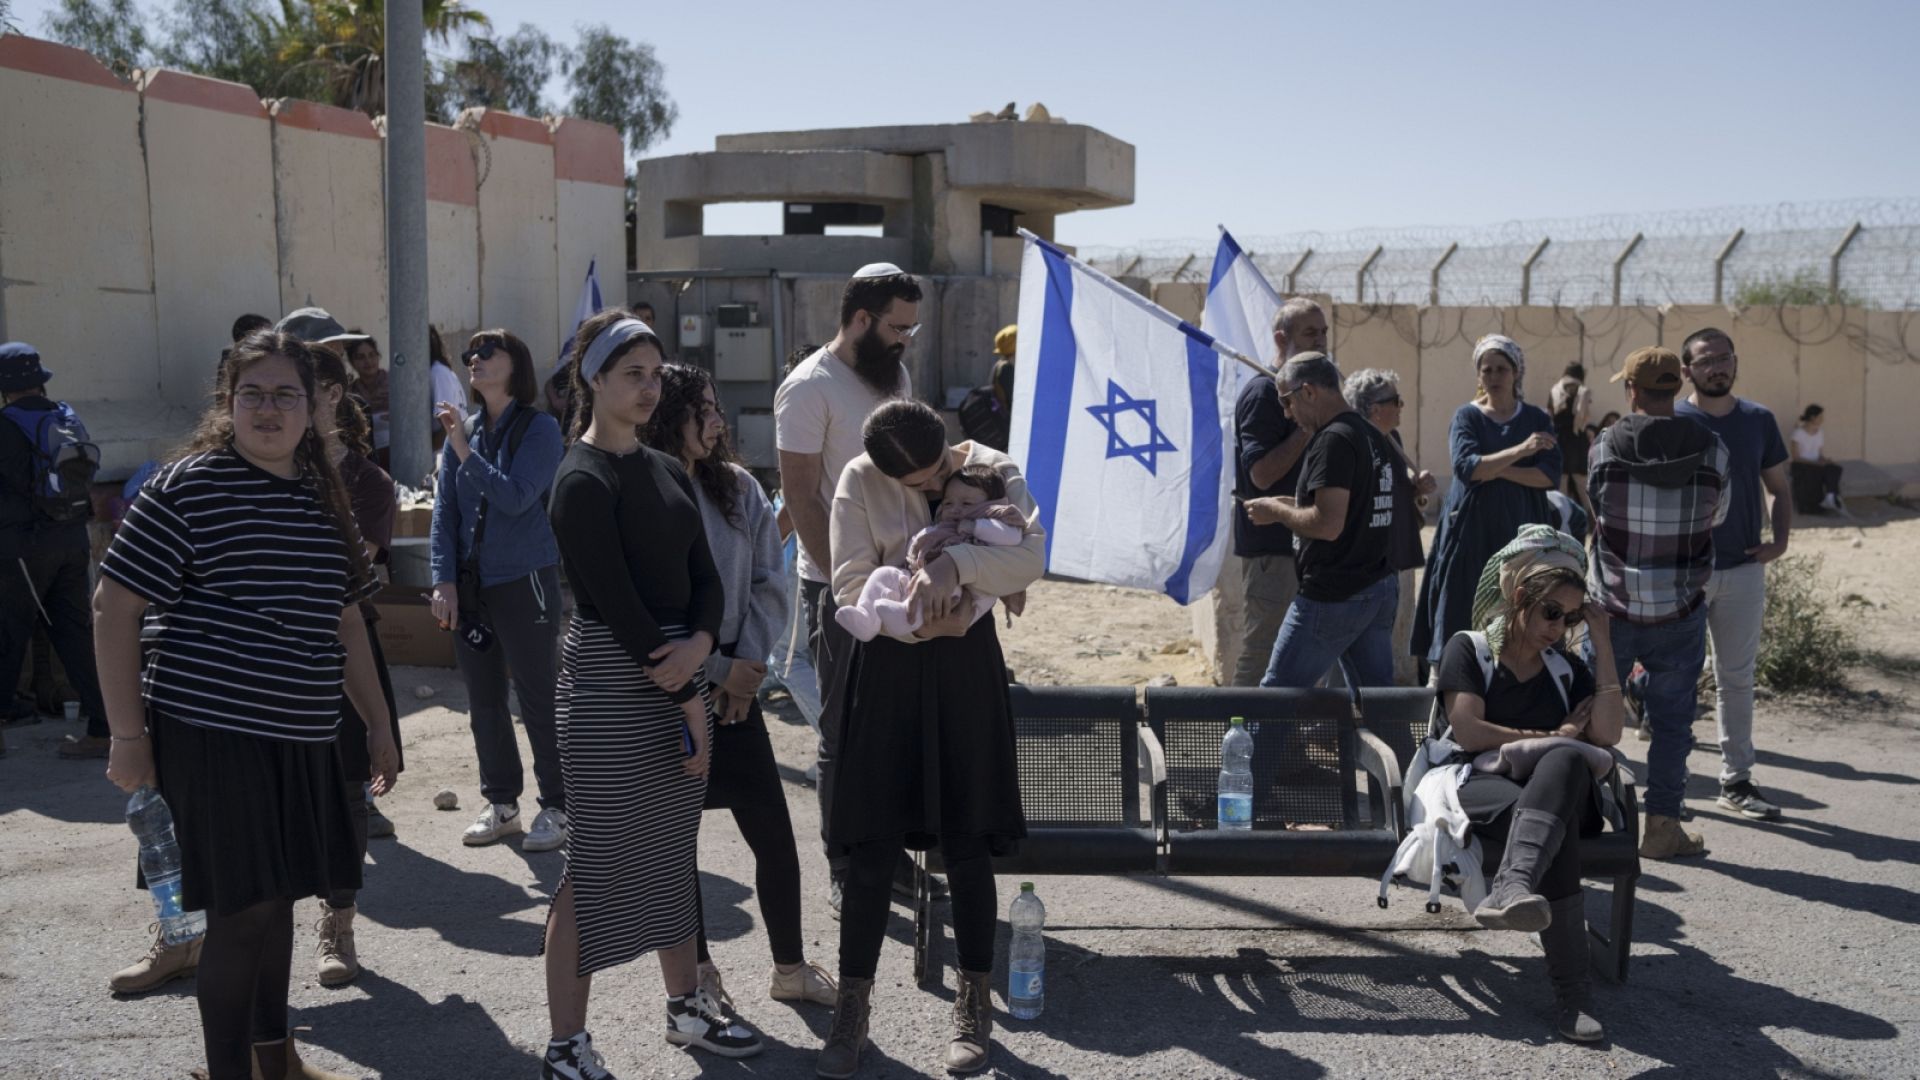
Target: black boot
{"x": 1568, "y": 962}
{"x": 1511, "y": 904}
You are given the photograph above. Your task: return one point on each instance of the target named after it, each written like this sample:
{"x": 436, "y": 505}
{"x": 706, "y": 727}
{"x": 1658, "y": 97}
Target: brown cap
{"x": 1651, "y": 368}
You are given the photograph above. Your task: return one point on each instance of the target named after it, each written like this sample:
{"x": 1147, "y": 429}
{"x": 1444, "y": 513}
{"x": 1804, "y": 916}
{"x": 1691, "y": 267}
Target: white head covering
{"x": 1506, "y": 346}
{"x": 878, "y": 270}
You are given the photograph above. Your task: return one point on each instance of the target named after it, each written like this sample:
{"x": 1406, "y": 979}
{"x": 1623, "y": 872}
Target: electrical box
{"x": 693, "y": 331}
{"x": 743, "y": 354}
{"x": 754, "y": 441}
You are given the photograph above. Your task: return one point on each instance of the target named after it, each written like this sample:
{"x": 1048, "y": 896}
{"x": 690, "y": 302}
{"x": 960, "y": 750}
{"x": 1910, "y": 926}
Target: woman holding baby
{"x": 928, "y": 725}
{"x": 1517, "y": 701}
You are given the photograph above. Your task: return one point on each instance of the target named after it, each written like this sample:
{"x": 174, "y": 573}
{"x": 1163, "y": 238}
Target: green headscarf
{"x": 1537, "y": 548}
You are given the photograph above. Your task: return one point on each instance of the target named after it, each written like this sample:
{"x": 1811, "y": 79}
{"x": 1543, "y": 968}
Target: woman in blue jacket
{"x": 497, "y": 580}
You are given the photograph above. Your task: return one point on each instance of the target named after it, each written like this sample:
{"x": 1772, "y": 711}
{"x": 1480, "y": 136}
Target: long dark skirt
{"x": 257, "y": 819}
{"x": 1485, "y": 520}
{"x": 926, "y": 745}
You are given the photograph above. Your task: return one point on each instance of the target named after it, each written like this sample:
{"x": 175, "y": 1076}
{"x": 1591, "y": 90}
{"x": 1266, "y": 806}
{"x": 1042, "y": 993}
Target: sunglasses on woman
{"x": 484, "y": 352}
{"x": 1571, "y": 617}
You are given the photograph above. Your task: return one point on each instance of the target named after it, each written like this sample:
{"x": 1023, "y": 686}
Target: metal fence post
{"x": 1620, "y": 262}
{"x": 1360, "y": 275}
{"x": 1294, "y": 274}
{"x": 1433, "y": 276}
{"x": 1720, "y": 261}
{"x": 1833, "y": 263}
{"x": 1526, "y": 270}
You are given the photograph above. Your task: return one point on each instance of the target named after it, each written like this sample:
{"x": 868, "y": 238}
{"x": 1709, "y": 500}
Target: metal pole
{"x": 1183, "y": 268}
{"x": 1833, "y": 263}
{"x": 410, "y": 387}
{"x": 1295, "y": 272}
{"x": 1526, "y": 270}
{"x": 1720, "y": 261}
{"x": 1433, "y": 276}
{"x": 1360, "y": 275}
{"x": 1620, "y": 261}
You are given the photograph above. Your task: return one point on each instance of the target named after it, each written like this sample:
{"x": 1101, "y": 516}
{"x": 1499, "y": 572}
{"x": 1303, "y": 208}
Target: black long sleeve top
{"x": 634, "y": 548}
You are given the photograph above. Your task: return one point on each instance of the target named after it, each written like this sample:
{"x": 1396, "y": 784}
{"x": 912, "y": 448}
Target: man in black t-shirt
{"x": 1266, "y": 463}
{"x": 1341, "y": 517}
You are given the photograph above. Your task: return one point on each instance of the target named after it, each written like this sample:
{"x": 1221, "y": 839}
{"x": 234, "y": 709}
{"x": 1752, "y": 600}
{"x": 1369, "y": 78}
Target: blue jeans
{"x": 1672, "y": 653}
{"x": 1356, "y": 632}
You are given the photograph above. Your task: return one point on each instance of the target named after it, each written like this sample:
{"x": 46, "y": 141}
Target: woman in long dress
{"x": 1505, "y": 460}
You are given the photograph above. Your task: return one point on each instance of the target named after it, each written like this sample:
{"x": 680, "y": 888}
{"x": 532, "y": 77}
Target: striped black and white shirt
{"x": 248, "y": 576}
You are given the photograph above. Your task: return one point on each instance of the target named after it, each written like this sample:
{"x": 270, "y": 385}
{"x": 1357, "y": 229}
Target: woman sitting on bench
{"x": 1517, "y": 701}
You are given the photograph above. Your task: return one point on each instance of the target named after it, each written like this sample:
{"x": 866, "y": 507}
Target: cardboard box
{"x": 413, "y": 521}
{"x": 409, "y": 634}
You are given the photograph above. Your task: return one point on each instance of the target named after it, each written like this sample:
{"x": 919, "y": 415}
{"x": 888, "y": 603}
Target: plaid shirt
{"x": 1653, "y": 544}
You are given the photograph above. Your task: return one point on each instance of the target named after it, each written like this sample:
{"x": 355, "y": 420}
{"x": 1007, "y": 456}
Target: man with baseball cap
{"x": 1659, "y": 486}
{"x": 46, "y": 469}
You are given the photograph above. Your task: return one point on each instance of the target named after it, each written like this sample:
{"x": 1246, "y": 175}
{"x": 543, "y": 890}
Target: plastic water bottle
{"x": 152, "y": 823}
{"x": 1027, "y": 955}
{"x": 1236, "y": 777}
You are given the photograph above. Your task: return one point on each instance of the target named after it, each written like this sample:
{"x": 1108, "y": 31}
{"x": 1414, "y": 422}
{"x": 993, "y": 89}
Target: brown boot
{"x": 840, "y": 1058}
{"x": 972, "y": 1023}
{"x": 1663, "y": 838}
{"x": 281, "y": 1061}
{"x": 162, "y": 964}
{"x": 339, "y": 964}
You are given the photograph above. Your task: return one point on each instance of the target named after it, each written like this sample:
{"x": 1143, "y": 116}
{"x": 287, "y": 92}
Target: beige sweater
{"x": 875, "y": 516}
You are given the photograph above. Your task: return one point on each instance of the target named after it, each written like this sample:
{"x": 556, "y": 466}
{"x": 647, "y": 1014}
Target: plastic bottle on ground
{"x": 1027, "y": 955}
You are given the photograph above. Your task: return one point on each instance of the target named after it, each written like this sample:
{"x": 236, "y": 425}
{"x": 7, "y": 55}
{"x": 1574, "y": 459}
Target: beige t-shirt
{"x": 820, "y": 409}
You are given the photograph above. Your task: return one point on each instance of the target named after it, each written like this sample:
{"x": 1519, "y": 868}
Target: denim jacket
{"x": 519, "y": 538}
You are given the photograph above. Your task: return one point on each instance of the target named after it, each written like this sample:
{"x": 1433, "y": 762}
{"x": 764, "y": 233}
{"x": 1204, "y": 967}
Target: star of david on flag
{"x": 1118, "y": 403}
{"x": 1122, "y": 422}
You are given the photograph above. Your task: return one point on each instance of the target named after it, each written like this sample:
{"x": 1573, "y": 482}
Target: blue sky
{"x": 1276, "y": 117}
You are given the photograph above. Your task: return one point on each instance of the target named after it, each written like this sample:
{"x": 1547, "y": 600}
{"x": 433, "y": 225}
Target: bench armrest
{"x": 1154, "y": 762}
{"x": 1379, "y": 761}
{"x": 1626, "y": 793}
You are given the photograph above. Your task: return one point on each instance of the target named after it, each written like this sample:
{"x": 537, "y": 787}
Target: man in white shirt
{"x": 817, "y": 414}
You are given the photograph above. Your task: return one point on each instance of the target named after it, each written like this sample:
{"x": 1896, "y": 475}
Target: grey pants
{"x": 830, "y": 647}
{"x": 1271, "y": 585}
{"x": 525, "y": 616}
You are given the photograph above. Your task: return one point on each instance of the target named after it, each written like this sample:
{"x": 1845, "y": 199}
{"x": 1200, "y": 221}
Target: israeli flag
{"x": 1241, "y": 304}
{"x": 1122, "y": 415}
{"x": 585, "y": 308}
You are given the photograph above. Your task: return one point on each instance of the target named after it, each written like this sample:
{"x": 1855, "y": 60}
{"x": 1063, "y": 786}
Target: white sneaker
{"x": 549, "y": 831}
{"x": 496, "y": 821}
{"x": 574, "y": 1059}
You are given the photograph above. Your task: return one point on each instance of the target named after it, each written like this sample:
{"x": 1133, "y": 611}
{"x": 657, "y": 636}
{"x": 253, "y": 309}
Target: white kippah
{"x": 877, "y": 270}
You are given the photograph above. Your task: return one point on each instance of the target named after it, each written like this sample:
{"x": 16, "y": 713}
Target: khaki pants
{"x": 1271, "y": 585}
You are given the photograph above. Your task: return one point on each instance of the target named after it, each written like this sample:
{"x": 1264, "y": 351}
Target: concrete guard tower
{"x": 947, "y": 200}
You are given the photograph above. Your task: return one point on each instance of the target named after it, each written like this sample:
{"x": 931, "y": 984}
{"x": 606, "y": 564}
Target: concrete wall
{"x": 137, "y": 220}
{"x": 453, "y": 236}
{"x": 589, "y": 190}
{"x": 330, "y": 214}
{"x": 76, "y": 266}
{"x": 517, "y": 240}
{"x": 209, "y": 160}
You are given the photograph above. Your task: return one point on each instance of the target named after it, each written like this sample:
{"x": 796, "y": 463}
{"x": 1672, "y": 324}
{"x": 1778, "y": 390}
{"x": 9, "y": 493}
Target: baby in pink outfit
{"x": 973, "y": 510}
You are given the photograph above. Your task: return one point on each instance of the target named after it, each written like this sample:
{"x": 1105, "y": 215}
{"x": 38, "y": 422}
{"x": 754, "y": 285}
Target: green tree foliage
{"x": 1804, "y": 286}
{"x": 620, "y": 83}
{"x": 112, "y": 30}
{"x": 332, "y": 50}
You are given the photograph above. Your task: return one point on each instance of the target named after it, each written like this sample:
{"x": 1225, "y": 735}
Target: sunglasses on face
{"x": 1570, "y": 617}
{"x": 484, "y": 352}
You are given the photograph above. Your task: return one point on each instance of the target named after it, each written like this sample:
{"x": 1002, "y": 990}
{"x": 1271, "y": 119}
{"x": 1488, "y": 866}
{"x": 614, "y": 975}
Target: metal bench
{"x": 1085, "y": 756}
{"x": 1402, "y": 717}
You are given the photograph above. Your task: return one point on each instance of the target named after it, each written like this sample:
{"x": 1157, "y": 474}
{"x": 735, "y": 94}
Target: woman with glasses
{"x": 239, "y": 570}
{"x": 1505, "y": 460}
{"x": 1513, "y": 681}
{"x": 1375, "y": 394}
{"x": 497, "y": 581}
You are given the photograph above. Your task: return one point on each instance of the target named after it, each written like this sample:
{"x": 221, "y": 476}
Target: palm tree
{"x": 346, "y": 40}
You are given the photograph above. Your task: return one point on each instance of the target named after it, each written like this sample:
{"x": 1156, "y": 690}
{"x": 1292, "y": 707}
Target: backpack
{"x": 65, "y": 461}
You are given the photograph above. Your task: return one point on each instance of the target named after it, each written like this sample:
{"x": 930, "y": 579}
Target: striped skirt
{"x": 633, "y": 817}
